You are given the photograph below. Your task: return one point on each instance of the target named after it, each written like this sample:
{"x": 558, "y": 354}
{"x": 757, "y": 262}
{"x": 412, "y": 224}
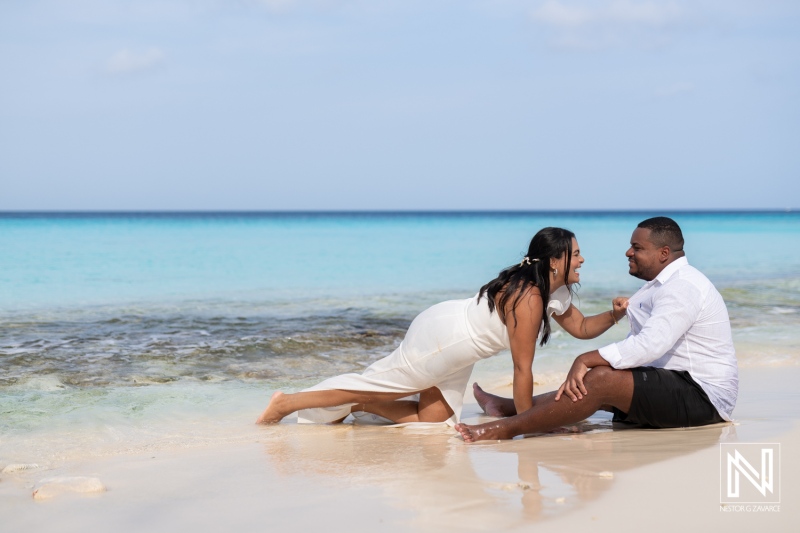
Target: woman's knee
{"x": 433, "y": 407}
{"x": 439, "y": 416}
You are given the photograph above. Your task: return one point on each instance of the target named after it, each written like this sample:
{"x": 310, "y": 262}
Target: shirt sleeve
{"x": 675, "y": 308}
{"x": 560, "y": 300}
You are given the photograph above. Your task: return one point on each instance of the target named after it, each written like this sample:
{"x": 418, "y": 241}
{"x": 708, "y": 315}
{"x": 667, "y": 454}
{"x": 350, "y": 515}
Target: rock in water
{"x": 55, "y": 486}
{"x": 19, "y": 467}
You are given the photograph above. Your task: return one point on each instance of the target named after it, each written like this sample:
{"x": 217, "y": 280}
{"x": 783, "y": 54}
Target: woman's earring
{"x": 555, "y": 272}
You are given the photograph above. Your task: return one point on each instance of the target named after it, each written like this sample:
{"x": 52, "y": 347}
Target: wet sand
{"x": 362, "y": 478}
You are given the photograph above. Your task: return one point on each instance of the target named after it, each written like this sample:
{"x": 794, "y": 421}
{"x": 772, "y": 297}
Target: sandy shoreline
{"x": 424, "y": 478}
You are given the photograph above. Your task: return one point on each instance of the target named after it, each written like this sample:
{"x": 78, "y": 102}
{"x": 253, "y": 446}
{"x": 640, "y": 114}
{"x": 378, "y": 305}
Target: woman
{"x": 435, "y": 358}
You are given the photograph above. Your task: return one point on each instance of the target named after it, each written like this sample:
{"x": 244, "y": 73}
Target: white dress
{"x": 440, "y": 348}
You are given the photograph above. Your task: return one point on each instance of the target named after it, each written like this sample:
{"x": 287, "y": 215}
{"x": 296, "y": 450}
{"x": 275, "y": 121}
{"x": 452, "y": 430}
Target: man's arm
{"x": 675, "y": 309}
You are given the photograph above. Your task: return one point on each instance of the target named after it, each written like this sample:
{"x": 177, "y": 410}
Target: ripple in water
{"x": 137, "y": 349}
{"x": 288, "y": 344}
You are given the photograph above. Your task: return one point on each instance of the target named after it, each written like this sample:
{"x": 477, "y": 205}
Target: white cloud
{"x": 560, "y": 15}
{"x": 647, "y": 13}
{"x": 601, "y": 24}
{"x": 126, "y": 61}
{"x": 644, "y": 13}
{"x": 276, "y": 5}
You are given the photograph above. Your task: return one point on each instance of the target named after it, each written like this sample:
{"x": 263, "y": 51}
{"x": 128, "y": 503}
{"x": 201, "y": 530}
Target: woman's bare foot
{"x": 492, "y": 405}
{"x": 274, "y": 412}
{"x": 489, "y": 431}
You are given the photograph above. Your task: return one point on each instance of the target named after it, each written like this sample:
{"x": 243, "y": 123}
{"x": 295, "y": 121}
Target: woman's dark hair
{"x": 515, "y": 280}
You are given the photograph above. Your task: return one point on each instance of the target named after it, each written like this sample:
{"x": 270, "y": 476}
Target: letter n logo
{"x": 750, "y": 473}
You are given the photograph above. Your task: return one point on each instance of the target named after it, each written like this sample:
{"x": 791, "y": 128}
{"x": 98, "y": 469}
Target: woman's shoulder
{"x": 528, "y": 298}
{"x": 524, "y": 293}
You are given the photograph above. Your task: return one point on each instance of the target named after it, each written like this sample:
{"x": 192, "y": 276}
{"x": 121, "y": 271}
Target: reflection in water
{"x": 557, "y": 473}
{"x": 444, "y": 482}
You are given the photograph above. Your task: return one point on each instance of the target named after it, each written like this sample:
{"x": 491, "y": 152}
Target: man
{"x": 679, "y": 328}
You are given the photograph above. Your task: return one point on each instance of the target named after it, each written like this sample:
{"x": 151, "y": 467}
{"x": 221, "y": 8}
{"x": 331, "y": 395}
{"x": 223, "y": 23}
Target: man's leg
{"x": 494, "y": 405}
{"x": 605, "y": 387}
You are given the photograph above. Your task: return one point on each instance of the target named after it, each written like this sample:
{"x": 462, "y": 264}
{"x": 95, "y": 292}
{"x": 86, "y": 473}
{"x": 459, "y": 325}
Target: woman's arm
{"x": 523, "y": 334}
{"x": 583, "y": 327}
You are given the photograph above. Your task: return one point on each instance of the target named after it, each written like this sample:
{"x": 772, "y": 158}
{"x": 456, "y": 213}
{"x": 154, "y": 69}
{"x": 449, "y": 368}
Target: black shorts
{"x": 667, "y": 399}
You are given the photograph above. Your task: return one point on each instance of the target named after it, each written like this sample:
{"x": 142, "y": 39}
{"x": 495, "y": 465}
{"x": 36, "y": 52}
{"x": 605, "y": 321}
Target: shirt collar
{"x": 670, "y": 269}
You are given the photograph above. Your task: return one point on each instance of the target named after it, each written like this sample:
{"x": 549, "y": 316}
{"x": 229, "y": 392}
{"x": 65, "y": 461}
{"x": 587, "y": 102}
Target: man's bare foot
{"x": 491, "y": 404}
{"x": 489, "y": 431}
{"x": 273, "y": 413}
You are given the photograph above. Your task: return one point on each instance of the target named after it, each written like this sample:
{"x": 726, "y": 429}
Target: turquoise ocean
{"x": 121, "y": 330}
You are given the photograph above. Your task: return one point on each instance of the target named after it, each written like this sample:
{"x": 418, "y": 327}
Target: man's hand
{"x": 573, "y": 386}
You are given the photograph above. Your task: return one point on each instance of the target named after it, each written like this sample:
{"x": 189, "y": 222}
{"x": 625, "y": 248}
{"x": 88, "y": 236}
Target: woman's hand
{"x": 618, "y": 307}
{"x": 573, "y": 386}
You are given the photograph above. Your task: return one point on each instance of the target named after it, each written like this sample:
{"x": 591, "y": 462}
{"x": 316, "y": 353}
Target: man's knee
{"x": 610, "y": 387}
{"x": 606, "y": 378}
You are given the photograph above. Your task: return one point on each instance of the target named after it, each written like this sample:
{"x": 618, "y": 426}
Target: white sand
{"x": 346, "y": 478}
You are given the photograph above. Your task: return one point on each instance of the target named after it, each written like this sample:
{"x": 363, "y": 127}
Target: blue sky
{"x": 437, "y": 104}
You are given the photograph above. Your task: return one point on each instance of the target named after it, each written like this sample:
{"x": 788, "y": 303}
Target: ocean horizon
{"x": 379, "y": 212}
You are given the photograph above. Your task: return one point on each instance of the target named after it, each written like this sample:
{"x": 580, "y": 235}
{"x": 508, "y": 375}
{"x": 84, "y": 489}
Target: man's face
{"x": 644, "y": 257}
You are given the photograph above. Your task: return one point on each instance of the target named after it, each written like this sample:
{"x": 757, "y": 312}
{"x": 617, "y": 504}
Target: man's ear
{"x": 663, "y": 253}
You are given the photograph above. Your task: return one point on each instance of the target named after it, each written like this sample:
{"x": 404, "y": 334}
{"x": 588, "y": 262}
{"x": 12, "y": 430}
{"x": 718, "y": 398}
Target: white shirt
{"x": 679, "y": 322}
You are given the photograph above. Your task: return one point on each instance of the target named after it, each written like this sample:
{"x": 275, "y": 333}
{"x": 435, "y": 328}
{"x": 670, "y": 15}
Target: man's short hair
{"x": 664, "y": 232}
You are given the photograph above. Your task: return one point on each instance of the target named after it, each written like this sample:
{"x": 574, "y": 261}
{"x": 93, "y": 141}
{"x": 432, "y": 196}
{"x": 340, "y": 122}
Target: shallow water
{"x": 120, "y": 321}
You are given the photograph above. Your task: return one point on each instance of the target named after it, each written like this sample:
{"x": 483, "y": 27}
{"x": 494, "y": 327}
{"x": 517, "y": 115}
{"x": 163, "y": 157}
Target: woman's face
{"x": 575, "y": 264}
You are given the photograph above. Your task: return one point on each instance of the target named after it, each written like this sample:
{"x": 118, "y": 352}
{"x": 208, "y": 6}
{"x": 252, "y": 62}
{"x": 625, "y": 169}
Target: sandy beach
{"x": 362, "y": 478}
